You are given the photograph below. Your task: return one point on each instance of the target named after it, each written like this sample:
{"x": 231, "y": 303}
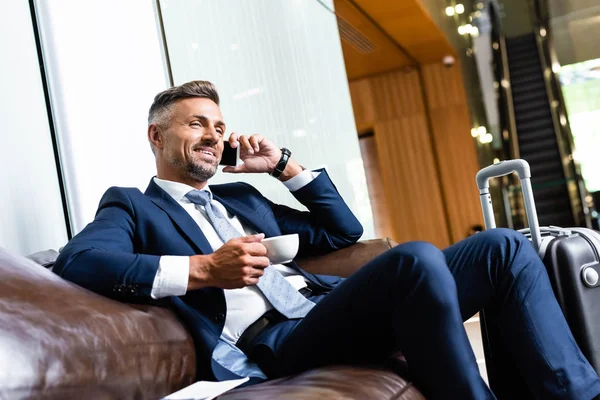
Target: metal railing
{"x": 514, "y": 208}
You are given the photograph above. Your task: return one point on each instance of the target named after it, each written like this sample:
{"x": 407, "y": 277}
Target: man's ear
{"x": 156, "y": 136}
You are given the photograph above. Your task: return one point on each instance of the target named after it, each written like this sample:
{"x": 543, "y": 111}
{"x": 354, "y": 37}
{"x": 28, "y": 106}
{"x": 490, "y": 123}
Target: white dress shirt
{"x": 245, "y": 305}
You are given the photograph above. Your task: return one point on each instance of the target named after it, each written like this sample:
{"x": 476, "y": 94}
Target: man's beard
{"x": 197, "y": 172}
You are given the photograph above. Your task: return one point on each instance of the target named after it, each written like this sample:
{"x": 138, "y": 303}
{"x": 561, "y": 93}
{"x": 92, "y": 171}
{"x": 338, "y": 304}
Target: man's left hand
{"x": 258, "y": 153}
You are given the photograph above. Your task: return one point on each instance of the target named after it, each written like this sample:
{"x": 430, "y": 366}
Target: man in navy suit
{"x": 198, "y": 249}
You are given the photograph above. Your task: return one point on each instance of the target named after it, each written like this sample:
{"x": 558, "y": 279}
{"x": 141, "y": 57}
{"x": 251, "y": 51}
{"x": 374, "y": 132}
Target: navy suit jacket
{"x": 117, "y": 255}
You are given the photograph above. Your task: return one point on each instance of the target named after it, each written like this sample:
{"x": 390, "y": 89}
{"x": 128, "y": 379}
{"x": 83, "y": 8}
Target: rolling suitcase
{"x": 571, "y": 257}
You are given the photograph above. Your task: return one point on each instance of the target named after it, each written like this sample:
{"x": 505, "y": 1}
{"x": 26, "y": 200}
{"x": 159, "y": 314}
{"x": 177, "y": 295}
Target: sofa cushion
{"x": 46, "y": 258}
{"x": 58, "y": 340}
{"x": 337, "y": 382}
{"x": 346, "y": 261}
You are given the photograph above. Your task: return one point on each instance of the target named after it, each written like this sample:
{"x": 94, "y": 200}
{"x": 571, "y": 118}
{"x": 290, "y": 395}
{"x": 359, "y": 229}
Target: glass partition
{"x": 31, "y": 212}
{"x": 280, "y": 72}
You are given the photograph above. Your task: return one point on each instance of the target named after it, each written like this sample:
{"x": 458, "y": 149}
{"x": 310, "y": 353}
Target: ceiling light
{"x": 449, "y": 11}
{"x": 481, "y": 130}
{"x": 461, "y": 30}
{"x": 487, "y": 138}
{"x": 459, "y": 8}
{"x": 543, "y": 32}
{"x": 474, "y": 132}
{"x": 474, "y": 31}
{"x": 468, "y": 28}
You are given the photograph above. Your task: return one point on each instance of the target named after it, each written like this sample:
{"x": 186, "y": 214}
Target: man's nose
{"x": 211, "y": 133}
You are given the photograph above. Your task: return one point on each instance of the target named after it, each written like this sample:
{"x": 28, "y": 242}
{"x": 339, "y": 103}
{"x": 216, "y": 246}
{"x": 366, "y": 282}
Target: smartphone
{"x": 230, "y": 155}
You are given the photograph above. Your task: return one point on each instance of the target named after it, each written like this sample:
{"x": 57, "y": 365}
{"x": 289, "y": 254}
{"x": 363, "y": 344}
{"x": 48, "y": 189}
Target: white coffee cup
{"x": 281, "y": 249}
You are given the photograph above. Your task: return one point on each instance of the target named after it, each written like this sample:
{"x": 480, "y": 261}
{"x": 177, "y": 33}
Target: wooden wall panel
{"x": 363, "y": 105}
{"x": 410, "y": 180}
{"x": 425, "y": 202}
{"x": 379, "y": 206}
{"x": 454, "y": 146}
{"x": 392, "y": 105}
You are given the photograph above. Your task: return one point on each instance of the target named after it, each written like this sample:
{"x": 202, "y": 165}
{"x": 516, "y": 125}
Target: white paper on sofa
{"x": 205, "y": 390}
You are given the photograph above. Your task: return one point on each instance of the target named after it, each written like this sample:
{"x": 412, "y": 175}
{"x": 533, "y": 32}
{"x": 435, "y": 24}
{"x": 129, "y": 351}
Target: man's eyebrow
{"x": 203, "y": 118}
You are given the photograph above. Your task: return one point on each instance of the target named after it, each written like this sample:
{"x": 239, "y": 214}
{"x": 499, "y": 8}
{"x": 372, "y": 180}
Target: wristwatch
{"x": 285, "y": 157}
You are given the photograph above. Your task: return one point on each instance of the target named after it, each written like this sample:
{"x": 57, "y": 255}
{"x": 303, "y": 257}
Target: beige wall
{"x": 427, "y": 158}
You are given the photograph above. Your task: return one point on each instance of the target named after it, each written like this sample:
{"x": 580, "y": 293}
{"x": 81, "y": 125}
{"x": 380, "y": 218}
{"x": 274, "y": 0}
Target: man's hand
{"x": 236, "y": 264}
{"x": 259, "y": 155}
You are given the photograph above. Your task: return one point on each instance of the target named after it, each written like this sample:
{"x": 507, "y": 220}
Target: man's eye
{"x": 220, "y": 131}
{"x": 195, "y": 124}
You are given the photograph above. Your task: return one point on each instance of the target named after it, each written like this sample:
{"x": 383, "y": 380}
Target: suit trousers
{"x": 415, "y": 297}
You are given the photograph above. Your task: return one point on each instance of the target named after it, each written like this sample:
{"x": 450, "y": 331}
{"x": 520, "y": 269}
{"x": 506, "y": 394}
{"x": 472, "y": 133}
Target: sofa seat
{"x": 335, "y": 382}
{"x": 60, "y": 341}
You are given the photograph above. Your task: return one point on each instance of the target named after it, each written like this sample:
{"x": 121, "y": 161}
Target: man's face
{"x": 194, "y": 139}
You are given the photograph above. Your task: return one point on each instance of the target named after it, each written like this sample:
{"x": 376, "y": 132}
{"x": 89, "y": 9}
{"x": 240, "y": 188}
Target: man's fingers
{"x": 235, "y": 170}
{"x": 233, "y": 139}
{"x": 245, "y": 143}
{"x": 253, "y": 272}
{"x": 252, "y": 238}
{"x": 255, "y": 249}
{"x": 255, "y": 142}
{"x": 260, "y": 262}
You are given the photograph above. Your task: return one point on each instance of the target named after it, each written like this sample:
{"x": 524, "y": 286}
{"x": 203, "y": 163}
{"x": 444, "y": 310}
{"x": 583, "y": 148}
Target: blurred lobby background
{"x": 401, "y": 101}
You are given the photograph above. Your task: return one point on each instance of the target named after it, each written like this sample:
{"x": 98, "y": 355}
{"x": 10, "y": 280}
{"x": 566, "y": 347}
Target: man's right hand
{"x": 236, "y": 264}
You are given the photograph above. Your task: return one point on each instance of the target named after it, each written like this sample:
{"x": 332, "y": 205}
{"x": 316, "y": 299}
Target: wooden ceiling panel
{"x": 403, "y": 32}
{"x": 384, "y": 55}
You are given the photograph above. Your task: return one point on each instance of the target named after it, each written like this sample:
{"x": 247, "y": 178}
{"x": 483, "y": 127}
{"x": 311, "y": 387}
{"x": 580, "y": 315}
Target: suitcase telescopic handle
{"x": 521, "y": 167}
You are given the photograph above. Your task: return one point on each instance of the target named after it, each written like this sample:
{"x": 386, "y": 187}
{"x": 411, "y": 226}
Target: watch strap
{"x": 285, "y": 157}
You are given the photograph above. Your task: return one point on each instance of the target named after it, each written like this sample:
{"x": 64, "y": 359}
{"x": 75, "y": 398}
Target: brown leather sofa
{"x": 60, "y": 341}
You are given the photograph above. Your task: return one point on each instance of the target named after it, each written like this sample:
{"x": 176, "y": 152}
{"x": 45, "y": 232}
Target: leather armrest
{"x": 345, "y": 261}
{"x": 59, "y": 340}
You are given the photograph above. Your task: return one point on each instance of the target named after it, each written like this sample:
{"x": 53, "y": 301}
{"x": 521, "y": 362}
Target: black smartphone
{"x": 230, "y": 155}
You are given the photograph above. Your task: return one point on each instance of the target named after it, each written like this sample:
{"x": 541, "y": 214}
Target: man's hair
{"x": 161, "y": 109}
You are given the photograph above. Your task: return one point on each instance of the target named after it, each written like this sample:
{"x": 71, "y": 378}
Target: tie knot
{"x": 201, "y": 197}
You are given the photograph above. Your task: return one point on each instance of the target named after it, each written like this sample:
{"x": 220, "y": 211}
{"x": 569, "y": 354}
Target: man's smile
{"x": 207, "y": 151}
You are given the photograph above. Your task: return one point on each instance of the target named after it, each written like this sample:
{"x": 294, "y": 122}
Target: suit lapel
{"x": 179, "y": 216}
{"x": 194, "y": 234}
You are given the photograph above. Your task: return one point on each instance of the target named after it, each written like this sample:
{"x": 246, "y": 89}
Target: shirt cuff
{"x": 172, "y": 277}
{"x": 299, "y": 181}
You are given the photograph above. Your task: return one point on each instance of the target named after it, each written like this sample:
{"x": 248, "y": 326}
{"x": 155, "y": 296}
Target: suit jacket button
{"x": 220, "y": 317}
